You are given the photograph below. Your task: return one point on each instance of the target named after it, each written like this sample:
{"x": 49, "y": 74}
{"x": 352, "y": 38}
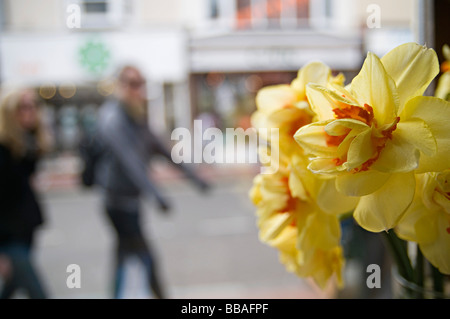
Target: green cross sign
{"x": 94, "y": 56}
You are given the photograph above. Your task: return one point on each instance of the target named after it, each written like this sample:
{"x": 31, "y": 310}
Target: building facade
{"x": 200, "y": 56}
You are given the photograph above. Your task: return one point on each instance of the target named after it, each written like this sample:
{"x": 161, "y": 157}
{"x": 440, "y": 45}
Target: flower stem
{"x": 419, "y": 269}
{"x": 399, "y": 252}
{"x": 438, "y": 280}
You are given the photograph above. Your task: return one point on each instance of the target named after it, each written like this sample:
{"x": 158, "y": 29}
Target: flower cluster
{"x": 376, "y": 149}
{"x": 443, "y": 85}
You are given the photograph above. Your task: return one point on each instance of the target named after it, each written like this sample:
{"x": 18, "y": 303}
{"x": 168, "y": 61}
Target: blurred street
{"x": 207, "y": 245}
{"x": 204, "y": 79}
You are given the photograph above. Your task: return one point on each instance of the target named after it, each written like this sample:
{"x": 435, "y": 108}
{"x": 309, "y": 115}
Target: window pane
{"x": 214, "y": 13}
{"x": 243, "y": 14}
{"x": 273, "y": 12}
{"x": 273, "y": 9}
{"x": 302, "y": 9}
{"x": 95, "y": 7}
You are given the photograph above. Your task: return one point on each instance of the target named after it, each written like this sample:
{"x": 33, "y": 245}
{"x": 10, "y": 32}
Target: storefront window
{"x": 95, "y": 6}
{"x": 251, "y": 14}
{"x": 230, "y": 97}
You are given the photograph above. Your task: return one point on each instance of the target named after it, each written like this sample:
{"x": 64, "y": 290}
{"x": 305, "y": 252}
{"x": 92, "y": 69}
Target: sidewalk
{"x": 208, "y": 245}
{"x": 62, "y": 172}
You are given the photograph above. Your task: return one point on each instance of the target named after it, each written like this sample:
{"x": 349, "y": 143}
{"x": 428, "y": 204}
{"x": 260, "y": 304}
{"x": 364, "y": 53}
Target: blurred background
{"x": 199, "y": 57}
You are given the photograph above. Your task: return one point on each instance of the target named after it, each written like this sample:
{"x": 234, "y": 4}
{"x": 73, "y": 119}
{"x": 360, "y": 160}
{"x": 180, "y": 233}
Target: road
{"x": 207, "y": 246}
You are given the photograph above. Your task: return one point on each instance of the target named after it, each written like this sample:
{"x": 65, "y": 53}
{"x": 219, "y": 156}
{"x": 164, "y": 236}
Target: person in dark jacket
{"x": 22, "y": 141}
{"x": 129, "y": 146}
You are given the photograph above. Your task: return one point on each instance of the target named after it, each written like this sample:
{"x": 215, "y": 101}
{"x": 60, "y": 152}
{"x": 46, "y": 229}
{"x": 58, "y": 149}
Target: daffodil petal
{"x": 342, "y": 94}
{"x": 378, "y": 211}
{"x": 428, "y": 223}
{"x": 336, "y": 94}
{"x": 331, "y": 201}
{"x": 361, "y": 150}
{"x": 319, "y": 243}
{"x": 255, "y": 192}
{"x": 321, "y": 231}
{"x": 275, "y": 97}
{"x": 323, "y": 100}
{"x": 342, "y": 126}
{"x": 320, "y": 103}
{"x": 362, "y": 183}
{"x": 323, "y": 166}
{"x": 300, "y": 174}
{"x": 428, "y": 184}
{"x": 437, "y": 249}
{"x": 406, "y": 227}
{"x": 297, "y": 188}
{"x": 435, "y": 113}
{"x": 287, "y": 120}
{"x": 426, "y": 227}
{"x": 286, "y": 240}
{"x": 312, "y": 138}
{"x": 375, "y": 87}
{"x": 345, "y": 144}
{"x": 412, "y": 67}
{"x": 313, "y": 72}
{"x": 443, "y": 181}
{"x": 417, "y": 133}
{"x": 322, "y": 265}
{"x": 273, "y": 226}
{"x": 397, "y": 156}
{"x": 443, "y": 87}
{"x": 442, "y": 201}
{"x": 259, "y": 120}
{"x": 446, "y": 51}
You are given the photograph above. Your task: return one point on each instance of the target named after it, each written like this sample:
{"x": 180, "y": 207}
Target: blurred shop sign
{"x": 77, "y": 57}
{"x": 381, "y": 41}
{"x": 273, "y": 52}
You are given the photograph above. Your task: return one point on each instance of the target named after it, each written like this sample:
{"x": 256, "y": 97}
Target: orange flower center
{"x": 297, "y": 119}
{"x": 445, "y": 66}
{"x": 366, "y": 116}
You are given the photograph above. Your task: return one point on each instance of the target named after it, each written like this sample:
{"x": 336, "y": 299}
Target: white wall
{"x": 27, "y": 15}
{"x": 55, "y": 58}
{"x": 171, "y": 13}
{"x": 24, "y": 15}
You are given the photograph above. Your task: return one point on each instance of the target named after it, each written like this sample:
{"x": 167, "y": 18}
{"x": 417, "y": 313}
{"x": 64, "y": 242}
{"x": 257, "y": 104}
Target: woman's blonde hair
{"x": 11, "y": 134}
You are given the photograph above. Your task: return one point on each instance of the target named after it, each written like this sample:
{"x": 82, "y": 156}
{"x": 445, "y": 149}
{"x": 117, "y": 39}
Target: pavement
{"x": 207, "y": 246}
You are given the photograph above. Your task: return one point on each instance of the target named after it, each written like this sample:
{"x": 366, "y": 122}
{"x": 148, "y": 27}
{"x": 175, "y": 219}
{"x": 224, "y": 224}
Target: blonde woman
{"x": 22, "y": 142}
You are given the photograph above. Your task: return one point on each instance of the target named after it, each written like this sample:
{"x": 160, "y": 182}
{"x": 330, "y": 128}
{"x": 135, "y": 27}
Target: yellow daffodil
{"x": 443, "y": 86}
{"x": 298, "y": 214}
{"x": 279, "y": 214}
{"x": 321, "y": 255}
{"x": 427, "y": 220}
{"x": 297, "y": 210}
{"x": 285, "y": 106}
{"x": 376, "y": 133}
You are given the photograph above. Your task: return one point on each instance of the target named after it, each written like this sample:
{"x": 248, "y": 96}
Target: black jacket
{"x": 20, "y": 213}
{"x": 130, "y": 147}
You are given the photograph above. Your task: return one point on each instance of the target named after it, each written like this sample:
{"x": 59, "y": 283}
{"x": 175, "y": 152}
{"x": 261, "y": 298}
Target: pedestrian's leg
{"x": 132, "y": 242}
{"x": 23, "y": 275}
{"x": 7, "y": 273}
{"x": 34, "y": 283}
{"x": 9, "y": 286}
{"x": 148, "y": 260}
{"x": 138, "y": 246}
{"x": 30, "y": 280}
{"x": 119, "y": 271}
{"x": 123, "y": 225}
